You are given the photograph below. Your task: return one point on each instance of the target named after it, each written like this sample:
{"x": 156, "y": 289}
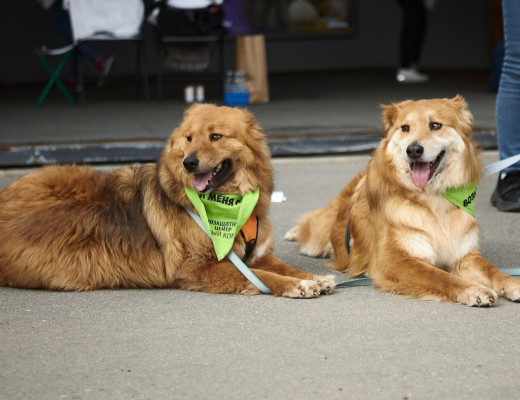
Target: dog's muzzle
{"x": 191, "y": 163}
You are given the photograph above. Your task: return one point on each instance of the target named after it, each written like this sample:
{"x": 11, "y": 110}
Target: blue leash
{"x": 355, "y": 282}
{"x": 368, "y": 281}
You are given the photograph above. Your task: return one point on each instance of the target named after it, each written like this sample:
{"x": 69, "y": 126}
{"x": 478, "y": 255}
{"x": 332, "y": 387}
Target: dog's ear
{"x": 388, "y": 115}
{"x": 191, "y": 109}
{"x": 252, "y": 124}
{"x": 178, "y": 132}
{"x": 464, "y": 115}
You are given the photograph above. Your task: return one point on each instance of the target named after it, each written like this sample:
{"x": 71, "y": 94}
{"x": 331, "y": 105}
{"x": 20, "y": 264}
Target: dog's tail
{"x": 313, "y": 232}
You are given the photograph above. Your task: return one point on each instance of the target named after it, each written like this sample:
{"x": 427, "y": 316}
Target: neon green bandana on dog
{"x": 223, "y": 215}
{"x": 463, "y": 197}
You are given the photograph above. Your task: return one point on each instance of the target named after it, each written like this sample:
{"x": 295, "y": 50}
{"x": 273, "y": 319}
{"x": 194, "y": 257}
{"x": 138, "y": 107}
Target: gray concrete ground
{"x": 357, "y": 343}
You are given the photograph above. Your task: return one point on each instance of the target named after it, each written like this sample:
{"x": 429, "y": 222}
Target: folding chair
{"x": 109, "y": 21}
{"x": 54, "y": 74}
{"x": 98, "y": 20}
{"x": 167, "y": 38}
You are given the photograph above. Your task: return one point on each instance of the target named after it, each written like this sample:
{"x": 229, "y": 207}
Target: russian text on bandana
{"x": 463, "y": 197}
{"x": 223, "y": 215}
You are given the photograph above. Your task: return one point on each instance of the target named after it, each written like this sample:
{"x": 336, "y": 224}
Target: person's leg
{"x": 412, "y": 39}
{"x": 508, "y": 99}
{"x": 507, "y": 194}
{"x": 413, "y": 31}
{"x": 63, "y": 27}
{"x": 91, "y": 53}
{"x": 61, "y": 21}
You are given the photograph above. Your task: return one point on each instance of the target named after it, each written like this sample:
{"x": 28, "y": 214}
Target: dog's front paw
{"x": 512, "y": 290}
{"x": 478, "y": 296}
{"x": 326, "y": 283}
{"x": 303, "y": 290}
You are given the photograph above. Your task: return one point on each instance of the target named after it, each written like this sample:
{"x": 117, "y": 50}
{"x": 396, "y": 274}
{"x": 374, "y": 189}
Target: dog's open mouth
{"x": 208, "y": 180}
{"x": 422, "y": 171}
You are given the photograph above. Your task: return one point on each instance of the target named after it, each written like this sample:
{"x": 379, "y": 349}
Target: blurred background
{"x": 328, "y": 66}
{"x": 460, "y": 35}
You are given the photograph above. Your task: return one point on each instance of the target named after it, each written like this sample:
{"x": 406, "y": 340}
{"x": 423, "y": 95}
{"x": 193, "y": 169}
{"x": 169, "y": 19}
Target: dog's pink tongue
{"x": 420, "y": 173}
{"x": 201, "y": 181}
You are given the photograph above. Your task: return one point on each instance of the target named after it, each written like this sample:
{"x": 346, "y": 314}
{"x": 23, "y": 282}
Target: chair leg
{"x": 55, "y": 79}
{"x": 80, "y": 84}
{"x": 159, "y": 66}
{"x": 142, "y": 70}
{"x": 138, "y": 69}
{"x": 222, "y": 68}
{"x": 144, "y": 63}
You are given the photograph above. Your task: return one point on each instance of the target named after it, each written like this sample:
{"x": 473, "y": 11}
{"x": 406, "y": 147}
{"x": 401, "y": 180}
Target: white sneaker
{"x": 410, "y": 75}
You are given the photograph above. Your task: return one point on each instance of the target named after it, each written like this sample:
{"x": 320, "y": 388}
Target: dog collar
{"x": 463, "y": 197}
{"x": 223, "y": 215}
{"x": 249, "y": 233}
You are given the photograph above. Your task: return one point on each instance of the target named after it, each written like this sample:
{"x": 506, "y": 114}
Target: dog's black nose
{"x": 415, "y": 151}
{"x": 191, "y": 163}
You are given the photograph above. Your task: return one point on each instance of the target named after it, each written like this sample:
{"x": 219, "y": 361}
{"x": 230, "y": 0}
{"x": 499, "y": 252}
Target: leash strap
{"x": 355, "y": 282}
{"x": 511, "y": 271}
{"x": 243, "y": 268}
{"x": 500, "y": 165}
{"x": 368, "y": 281}
{"x": 347, "y": 238}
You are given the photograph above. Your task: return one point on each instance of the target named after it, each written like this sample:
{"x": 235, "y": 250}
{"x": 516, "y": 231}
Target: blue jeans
{"x": 508, "y": 99}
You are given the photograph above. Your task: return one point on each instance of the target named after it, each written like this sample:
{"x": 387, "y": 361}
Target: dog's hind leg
{"x": 313, "y": 233}
{"x": 473, "y": 267}
{"x": 293, "y": 235}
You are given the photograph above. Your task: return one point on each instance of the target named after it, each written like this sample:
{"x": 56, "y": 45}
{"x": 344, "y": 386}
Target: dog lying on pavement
{"x": 74, "y": 228}
{"x": 406, "y": 221}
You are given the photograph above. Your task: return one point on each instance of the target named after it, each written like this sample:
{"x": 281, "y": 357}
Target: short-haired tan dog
{"x": 393, "y": 223}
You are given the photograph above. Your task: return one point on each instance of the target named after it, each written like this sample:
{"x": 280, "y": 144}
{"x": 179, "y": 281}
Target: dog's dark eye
{"x": 214, "y": 136}
{"x": 434, "y": 126}
{"x": 188, "y": 138}
{"x": 405, "y": 128}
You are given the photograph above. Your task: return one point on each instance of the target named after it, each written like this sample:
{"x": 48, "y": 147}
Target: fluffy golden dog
{"x": 398, "y": 227}
{"x": 73, "y": 228}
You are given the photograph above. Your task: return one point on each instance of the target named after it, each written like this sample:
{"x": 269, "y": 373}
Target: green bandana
{"x": 463, "y": 197}
{"x": 223, "y": 215}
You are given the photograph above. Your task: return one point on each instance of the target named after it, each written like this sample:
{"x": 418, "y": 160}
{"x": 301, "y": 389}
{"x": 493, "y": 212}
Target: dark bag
{"x": 198, "y": 22}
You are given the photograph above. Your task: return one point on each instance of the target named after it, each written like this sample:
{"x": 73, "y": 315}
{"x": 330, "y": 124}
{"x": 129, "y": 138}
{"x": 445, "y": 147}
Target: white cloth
{"x": 118, "y": 18}
{"x": 192, "y": 4}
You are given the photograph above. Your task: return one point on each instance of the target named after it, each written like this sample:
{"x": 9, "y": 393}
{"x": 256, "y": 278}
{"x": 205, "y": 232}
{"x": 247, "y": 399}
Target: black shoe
{"x": 506, "y": 196}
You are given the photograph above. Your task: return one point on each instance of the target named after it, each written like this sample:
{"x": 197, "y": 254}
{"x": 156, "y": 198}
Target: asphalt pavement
{"x": 357, "y": 343}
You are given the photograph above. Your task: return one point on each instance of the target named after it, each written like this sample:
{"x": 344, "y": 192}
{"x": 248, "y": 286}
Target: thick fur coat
{"x": 402, "y": 232}
{"x": 74, "y": 228}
